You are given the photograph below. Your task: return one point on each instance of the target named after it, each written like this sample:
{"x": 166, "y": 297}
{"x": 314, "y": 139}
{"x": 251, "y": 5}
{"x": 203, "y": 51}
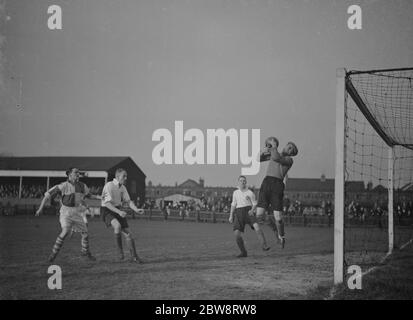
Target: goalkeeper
{"x": 272, "y": 188}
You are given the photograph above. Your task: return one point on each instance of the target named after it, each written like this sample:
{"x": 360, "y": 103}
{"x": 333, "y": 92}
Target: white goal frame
{"x": 339, "y": 184}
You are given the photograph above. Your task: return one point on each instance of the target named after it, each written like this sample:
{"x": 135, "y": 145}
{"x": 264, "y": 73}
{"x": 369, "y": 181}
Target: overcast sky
{"x": 119, "y": 70}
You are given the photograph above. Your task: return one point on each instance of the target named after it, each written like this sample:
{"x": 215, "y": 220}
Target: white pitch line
{"x": 334, "y": 289}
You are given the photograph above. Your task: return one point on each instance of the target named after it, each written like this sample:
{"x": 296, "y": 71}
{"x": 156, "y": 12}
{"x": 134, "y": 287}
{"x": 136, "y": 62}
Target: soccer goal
{"x": 374, "y": 167}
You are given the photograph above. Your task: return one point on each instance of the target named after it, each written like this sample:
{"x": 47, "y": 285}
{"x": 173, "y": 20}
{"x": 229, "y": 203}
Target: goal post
{"x": 390, "y": 203}
{"x": 341, "y": 97}
{"x": 374, "y": 140}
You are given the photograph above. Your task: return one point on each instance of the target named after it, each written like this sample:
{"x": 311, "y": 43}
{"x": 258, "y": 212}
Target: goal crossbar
{"x": 378, "y": 70}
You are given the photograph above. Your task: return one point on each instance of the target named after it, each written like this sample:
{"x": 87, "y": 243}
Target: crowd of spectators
{"x": 33, "y": 191}
{"x": 216, "y": 204}
{"x": 9, "y": 191}
{"x": 355, "y": 210}
{"x": 95, "y": 189}
{"x": 296, "y": 208}
{"x": 291, "y": 208}
{"x": 223, "y": 205}
{"x": 27, "y": 192}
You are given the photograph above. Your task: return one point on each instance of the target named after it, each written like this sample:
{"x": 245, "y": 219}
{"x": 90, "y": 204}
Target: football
{"x": 271, "y": 142}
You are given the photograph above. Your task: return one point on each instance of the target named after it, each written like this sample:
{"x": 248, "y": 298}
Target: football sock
{"x": 261, "y": 238}
{"x": 273, "y": 226}
{"x": 132, "y": 249}
{"x": 85, "y": 243}
{"x": 118, "y": 238}
{"x": 58, "y": 245}
{"x": 240, "y": 243}
{"x": 280, "y": 227}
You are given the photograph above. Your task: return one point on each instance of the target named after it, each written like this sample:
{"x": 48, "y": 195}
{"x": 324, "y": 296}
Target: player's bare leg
{"x": 240, "y": 243}
{"x": 118, "y": 237}
{"x": 261, "y": 217}
{"x": 261, "y": 237}
{"x": 260, "y": 214}
{"x": 58, "y": 244}
{"x": 280, "y": 226}
{"x": 130, "y": 242}
{"x": 273, "y": 227}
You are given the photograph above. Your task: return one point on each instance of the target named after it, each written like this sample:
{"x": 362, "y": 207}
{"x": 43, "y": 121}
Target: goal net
{"x": 374, "y": 167}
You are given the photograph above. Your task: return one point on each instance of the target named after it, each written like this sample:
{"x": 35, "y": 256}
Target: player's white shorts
{"x": 71, "y": 217}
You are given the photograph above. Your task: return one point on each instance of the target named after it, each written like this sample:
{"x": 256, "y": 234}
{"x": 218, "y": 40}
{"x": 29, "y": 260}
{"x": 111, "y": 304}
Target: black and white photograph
{"x": 207, "y": 155}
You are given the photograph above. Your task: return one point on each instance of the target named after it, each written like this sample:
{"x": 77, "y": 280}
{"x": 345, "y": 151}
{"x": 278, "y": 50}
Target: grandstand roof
{"x": 62, "y": 163}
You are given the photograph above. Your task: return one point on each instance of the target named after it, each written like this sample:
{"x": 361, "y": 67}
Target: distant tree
{"x": 5, "y": 154}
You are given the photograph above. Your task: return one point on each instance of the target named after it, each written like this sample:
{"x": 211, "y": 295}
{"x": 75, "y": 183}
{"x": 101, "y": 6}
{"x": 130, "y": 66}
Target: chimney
{"x": 370, "y": 186}
{"x": 201, "y": 182}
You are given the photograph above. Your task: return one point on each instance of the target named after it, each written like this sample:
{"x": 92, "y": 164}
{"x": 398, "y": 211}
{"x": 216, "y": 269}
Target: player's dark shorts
{"x": 271, "y": 194}
{"x": 108, "y": 215}
{"x": 242, "y": 218}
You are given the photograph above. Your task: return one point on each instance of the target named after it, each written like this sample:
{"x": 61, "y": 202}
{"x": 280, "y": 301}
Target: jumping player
{"x": 73, "y": 207}
{"x": 272, "y": 188}
{"x": 114, "y": 194}
{"x": 242, "y": 213}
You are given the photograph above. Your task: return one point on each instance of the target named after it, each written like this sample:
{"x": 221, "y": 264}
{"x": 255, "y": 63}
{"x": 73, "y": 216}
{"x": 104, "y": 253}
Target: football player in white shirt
{"x": 242, "y": 213}
{"x": 114, "y": 194}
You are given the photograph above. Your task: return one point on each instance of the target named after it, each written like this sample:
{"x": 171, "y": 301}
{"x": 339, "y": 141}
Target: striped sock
{"x": 58, "y": 245}
{"x": 85, "y": 244}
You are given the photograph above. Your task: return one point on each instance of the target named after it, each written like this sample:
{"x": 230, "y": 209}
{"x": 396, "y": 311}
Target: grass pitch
{"x": 184, "y": 260}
